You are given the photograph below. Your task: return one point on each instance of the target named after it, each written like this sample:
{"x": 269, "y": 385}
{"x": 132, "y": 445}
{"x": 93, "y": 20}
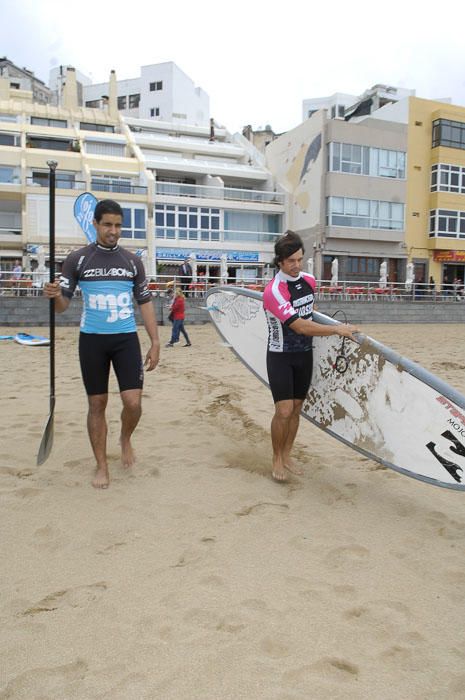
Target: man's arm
{"x": 304, "y": 326}
{"x": 151, "y": 326}
{"x": 52, "y": 290}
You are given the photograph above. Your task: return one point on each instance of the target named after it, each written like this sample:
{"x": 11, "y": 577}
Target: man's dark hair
{"x": 107, "y": 206}
{"x": 288, "y": 244}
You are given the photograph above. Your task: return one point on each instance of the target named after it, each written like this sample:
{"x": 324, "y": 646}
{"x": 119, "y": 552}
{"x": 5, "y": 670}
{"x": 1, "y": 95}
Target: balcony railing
{"x": 208, "y": 235}
{"x": 119, "y": 188}
{"x": 208, "y": 192}
{"x": 61, "y": 184}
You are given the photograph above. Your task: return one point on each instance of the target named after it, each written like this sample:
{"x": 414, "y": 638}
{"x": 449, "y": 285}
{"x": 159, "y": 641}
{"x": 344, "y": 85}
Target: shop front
{"x": 452, "y": 265}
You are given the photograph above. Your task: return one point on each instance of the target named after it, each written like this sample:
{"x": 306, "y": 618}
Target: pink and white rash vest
{"x": 284, "y": 300}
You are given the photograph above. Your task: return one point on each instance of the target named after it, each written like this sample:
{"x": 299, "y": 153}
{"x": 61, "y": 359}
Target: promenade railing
{"x": 31, "y": 284}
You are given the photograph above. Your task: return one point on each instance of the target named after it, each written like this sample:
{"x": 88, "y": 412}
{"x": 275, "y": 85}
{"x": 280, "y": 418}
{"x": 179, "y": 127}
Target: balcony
{"x": 11, "y": 235}
{"x": 60, "y": 182}
{"x": 174, "y": 189}
{"x": 117, "y": 187}
{"x": 214, "y": 235}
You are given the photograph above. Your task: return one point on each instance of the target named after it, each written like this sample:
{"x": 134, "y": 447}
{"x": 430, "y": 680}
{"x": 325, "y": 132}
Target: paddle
{"x": 47, "y": 438}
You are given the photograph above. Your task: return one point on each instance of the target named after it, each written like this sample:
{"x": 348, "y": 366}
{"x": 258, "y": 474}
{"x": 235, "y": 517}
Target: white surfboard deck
{"x": 28, "y": 339}
{"x": 383, "y": 405}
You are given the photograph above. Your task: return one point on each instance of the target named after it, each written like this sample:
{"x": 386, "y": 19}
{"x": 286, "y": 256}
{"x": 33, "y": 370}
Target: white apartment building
{"x": 186, "y": 190}
{"x": 162, "y": 91}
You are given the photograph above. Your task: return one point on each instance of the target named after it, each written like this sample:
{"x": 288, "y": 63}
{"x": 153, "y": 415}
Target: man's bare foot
{"x": 292, "y": 467}
{"x": 128, "y": 458}
{"x": 101, "y": 479}
{"x": 278, "y": 471}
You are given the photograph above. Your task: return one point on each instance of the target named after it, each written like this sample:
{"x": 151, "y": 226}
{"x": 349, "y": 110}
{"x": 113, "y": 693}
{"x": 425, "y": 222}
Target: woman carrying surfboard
{"x": 288, "y": 303}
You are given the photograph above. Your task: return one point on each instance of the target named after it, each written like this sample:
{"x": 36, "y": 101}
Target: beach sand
{"x": 197, "y": 577}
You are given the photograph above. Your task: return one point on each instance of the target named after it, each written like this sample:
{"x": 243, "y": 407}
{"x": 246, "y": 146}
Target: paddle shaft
{"x": 52, "y": 165}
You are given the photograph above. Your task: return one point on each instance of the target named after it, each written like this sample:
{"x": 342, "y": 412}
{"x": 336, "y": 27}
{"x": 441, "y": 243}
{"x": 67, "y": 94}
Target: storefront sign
{"x": 449, "y": 256}
{"x": 206, "y": 255}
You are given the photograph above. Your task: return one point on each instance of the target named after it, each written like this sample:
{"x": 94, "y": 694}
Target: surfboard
{"x": 364, "y": 394}
{"x": 28, "y": 339}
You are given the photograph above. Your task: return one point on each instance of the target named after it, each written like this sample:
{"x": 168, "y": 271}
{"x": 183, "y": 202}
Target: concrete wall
{"x": 34, "y": 311}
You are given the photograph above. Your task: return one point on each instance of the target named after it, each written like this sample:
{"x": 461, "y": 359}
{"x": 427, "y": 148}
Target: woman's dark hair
{"x": 107, "y": 206}
{"x": 288, "y": 244}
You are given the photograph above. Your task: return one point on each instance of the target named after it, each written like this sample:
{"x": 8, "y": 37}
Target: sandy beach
{"x": 197, "y": 577}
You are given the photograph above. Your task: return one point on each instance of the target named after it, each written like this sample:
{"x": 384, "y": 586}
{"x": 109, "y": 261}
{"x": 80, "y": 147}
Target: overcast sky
{"x": 256, "y": 60}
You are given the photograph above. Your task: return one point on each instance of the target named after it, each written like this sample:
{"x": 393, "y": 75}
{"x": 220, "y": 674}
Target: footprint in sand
{"x": 328, "y": 667}
{"x": 274, "y": 649}
{"x": 262, "y": 507}
{"x": 49, "y": 538}
{"x": 74, "y": 597}
{"x": 347, "y": 556}
{"x": 54, "y": 682}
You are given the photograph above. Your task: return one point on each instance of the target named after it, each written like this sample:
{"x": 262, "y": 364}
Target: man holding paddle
{"x": 109, "y": 278}
{"x": 288, "y": 303}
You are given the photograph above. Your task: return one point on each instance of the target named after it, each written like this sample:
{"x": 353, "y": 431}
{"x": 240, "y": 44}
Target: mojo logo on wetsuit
{"x": 119, "y": 305}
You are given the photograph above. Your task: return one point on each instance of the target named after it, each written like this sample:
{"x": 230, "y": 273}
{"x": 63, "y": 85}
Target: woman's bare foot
{"x": 101, "y": 479}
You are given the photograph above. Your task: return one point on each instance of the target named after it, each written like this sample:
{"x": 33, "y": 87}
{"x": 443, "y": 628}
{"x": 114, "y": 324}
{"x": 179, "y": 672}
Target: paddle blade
{"x": 47, "y": 438}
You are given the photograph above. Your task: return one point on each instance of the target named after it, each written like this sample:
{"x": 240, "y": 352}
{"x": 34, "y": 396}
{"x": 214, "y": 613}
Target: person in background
{"x": 177, "y": 317}
{"x": 186, "y": 275}
{"x": 15, "y": 276}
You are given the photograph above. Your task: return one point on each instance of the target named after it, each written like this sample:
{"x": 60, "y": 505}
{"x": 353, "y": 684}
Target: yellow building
{"x": 435, "y": 205}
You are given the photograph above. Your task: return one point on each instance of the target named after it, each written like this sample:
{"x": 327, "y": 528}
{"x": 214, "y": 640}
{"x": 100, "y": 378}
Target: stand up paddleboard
{"x": 27, "y": 339}
{"x": 364, "y": 394}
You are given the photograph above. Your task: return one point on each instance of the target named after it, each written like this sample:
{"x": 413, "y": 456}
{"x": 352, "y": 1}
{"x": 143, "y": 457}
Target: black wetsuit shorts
{"x": 289, "y": 374}
{"x": 97, "y": 351}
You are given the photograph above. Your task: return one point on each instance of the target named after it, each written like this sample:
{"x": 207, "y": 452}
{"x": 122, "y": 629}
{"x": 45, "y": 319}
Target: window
{"x": 134, "y": 101}
{"x": 51, "y": 144}
{"x": 152, "y": 112}
{"x": 6, "y": 174}
{"x": 448, "y": 133}
{"x": 9, "y": 139}
{"x": 447, "y": 178}
{"x": 42, "y": 121}
{"x": 365, "y": 160}
{"x": 64, "y": 181}
{"x": 102, "y": 148}
{"x": 365, "y": 213}
{"x": 156, "y": 86}
{"x": 93, "y": 104}
{"x": 133, "y": 223}
{"x": 109, "y": 183}
{"x": 155, "y": 112}
{"x": 341, "y": 110}
{"x": 362, "y": 266}
{"x": 187, "y": 223}
{"x": 122, "y": 102}
{"x": 91, "y": 126}
{"x": 447, "y": 223}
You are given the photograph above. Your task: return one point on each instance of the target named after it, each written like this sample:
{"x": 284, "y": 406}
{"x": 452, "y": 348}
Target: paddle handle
{"x": 52, "y": 164}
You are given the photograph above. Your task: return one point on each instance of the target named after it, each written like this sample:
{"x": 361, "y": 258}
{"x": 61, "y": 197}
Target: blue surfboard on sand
{"x": 28, "y": 339}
